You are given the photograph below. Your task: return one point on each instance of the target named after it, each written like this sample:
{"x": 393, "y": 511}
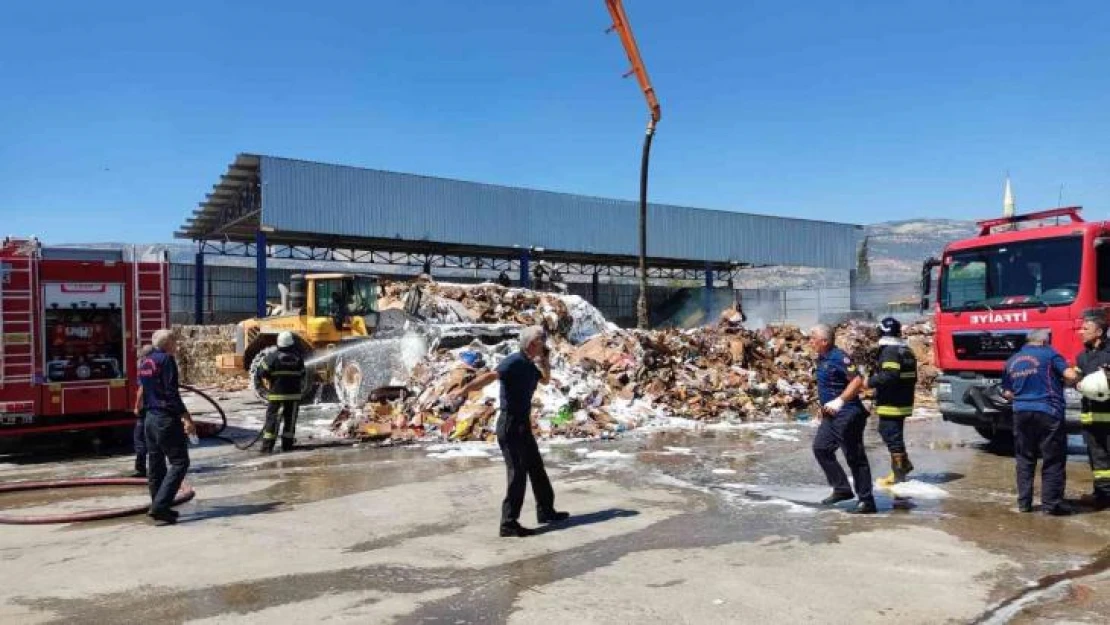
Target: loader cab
{"x": 339, "y": 305}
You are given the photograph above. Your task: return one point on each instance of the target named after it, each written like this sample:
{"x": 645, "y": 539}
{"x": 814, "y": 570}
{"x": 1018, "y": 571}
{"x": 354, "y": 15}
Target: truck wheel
{"x": 308, "y": 392}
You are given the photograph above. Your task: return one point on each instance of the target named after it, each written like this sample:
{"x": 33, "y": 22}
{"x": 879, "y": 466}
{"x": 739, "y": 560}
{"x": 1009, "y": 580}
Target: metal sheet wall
{"x": 301, "y": 196}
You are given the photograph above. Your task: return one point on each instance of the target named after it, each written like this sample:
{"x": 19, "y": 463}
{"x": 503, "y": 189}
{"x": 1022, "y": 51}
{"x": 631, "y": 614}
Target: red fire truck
{"x": 71, "y": 323}
{"x": 1039, "y": 270}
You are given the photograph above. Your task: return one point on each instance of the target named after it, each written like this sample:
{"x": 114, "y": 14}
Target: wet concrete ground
{"x": 715, "y": 525}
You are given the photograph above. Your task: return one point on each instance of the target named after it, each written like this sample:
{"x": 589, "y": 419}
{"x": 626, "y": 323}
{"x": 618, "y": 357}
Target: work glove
{"x": 834, "y": 406}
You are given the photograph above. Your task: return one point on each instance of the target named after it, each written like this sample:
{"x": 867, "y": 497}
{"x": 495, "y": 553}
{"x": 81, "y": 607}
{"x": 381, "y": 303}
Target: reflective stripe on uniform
{"x": 912, "y": 375}
{"x": 269, "y": 435}
{"x": 262, "y": 365}
{"x": 892, "y": 365}
{"x": 1101, "y": 474}
{"x": 1094, "y": 417}
{"x": 286, "y": 373}
{"x": 283, "y": 397}
{"x": 894, "y": 411}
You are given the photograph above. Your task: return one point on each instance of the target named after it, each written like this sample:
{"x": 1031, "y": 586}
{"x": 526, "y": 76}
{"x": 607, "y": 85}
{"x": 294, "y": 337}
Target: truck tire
{"x": 308, "y": 392}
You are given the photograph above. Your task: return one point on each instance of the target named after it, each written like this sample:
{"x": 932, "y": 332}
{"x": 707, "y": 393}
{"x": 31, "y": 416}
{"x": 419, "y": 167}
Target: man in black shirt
{"x": 519, "y": 374}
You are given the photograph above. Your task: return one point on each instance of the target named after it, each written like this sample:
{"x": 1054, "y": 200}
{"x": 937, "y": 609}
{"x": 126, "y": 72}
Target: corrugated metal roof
{"x": 301, "y": 197}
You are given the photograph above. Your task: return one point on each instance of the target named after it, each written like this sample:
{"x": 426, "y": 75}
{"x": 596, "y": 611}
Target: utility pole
{"x": 624, "y": 29}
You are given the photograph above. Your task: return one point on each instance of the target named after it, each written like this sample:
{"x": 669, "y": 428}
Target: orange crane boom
{"x": 622, "y": 26}
{"x": 624, "y": 29}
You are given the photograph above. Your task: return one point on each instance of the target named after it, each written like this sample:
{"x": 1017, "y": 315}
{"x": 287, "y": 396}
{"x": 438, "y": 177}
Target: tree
{"x": 863, "y": 266}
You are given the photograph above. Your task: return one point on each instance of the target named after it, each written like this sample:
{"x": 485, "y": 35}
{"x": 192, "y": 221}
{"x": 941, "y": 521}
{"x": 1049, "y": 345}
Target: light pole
{"x": 624, "y": 29}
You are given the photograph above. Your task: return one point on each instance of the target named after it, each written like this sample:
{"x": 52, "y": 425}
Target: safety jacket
{"x": 284, "y": 370}
{"x": 1090, "y": 360}
{"x": 896, "y": 379}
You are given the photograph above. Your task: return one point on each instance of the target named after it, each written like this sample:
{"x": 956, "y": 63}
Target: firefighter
{"x": 1033, "y": 380}
{"x": 138, "y": 437}
{"x": 1094, "y": 415}
{"x": 894, "y": 384}
{"x": 843, "y": 419}
{"x": 167, "y": 423}
{"x": 283, "y": 371}
{"x": 519, "y": 374}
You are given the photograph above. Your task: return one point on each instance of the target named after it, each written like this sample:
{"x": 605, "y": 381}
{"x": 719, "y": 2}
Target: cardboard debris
{"x": 605, "y": 380}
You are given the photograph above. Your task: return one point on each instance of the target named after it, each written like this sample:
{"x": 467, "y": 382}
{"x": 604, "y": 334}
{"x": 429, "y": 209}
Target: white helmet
{"x": 1095, "y": 386}
{"x": 285, "y": 339}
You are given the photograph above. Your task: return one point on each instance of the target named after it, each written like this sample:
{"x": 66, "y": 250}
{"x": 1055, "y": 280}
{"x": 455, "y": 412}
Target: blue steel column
{"x": 198, "y": 291}
{"x": 260, "y": 272}
{"x": 707, "y": 302}
{"x": 525, "y": 275}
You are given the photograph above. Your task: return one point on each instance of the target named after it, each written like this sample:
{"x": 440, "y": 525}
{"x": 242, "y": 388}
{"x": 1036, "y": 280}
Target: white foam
{"x": 678, "y": 451}
{"x": 724, "y": 472}
{"x": 603, "y": 454}
{"x": 916, "y": 489}
{"x": 781, "y": 435}
{"x": 467, "y": 452}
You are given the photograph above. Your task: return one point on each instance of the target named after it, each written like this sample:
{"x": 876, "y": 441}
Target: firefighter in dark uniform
{"x": 167, "y": 423}
{"x": 842, "y": 424}
{"x": 895, "y": 383}
{"x": 284, "y": 373}
{"x": 1094, "y": 416}
{"x": 1033, "y": 380}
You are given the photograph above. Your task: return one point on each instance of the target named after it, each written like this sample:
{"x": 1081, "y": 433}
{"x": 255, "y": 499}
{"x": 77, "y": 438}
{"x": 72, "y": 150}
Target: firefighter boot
{"x": 287, "y": 443}
{"x": 891, "y": 478}
{"x": 901, "y": 465}
{"x": 267, "y": 445}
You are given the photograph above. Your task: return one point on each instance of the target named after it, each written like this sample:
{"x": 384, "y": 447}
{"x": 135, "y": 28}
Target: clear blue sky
{"x": 116, "y": 117}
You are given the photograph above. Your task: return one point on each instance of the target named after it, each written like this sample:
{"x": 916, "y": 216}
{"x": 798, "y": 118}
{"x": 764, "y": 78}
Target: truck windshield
{"x": 1015, "y": 275}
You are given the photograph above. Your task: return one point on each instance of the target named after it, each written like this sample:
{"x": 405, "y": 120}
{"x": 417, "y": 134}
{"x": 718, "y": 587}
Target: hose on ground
{"x": 184, "y": 494}
{"x": 223, "y": 421}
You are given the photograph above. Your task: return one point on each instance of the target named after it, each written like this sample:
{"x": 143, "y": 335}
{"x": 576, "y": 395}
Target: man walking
{"x": 1033, "y": 379}
{"x": 519, "y": 374}
{"x": 284, "y": 373}
{"x": 895, "y": 383}
{"x": 167, "y": 424}
{"x": 1094, "y": 416}
{"x": 843, "y": 421}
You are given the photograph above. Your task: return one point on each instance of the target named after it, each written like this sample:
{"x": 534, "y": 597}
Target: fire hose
{"x": 184, "y": 494}
{"x": 207, "y": 432}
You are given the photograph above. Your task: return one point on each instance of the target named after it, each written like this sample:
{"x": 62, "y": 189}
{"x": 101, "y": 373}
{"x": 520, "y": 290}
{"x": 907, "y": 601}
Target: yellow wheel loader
{"x": 326, "y": 312}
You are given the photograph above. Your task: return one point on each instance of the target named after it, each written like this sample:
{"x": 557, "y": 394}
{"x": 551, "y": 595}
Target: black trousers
{"x": 1040, "y": 435}
{"x": 1097, "y": 437}
{"x": 287, "y": 412}
{"x": 523, "y": 462}
{"x": 844, "y": 430}
{"x": 892, "y": 430}
{"x": 165, "y": 443}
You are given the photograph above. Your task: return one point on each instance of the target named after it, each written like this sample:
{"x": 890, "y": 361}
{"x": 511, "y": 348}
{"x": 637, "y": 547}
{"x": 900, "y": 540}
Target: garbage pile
{"x": 565, "y": 316}
{"x": 605, "y": 380}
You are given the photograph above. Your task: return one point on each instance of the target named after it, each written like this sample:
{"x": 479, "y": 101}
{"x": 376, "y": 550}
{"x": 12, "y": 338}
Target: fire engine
{"x": 71, "y": 323}
{"x": 1035, "y": 271}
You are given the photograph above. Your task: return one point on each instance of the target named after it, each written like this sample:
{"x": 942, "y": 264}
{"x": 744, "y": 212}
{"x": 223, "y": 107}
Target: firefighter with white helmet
{"x": 1089, "y": 377}
{"x": 283, "y": 371}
